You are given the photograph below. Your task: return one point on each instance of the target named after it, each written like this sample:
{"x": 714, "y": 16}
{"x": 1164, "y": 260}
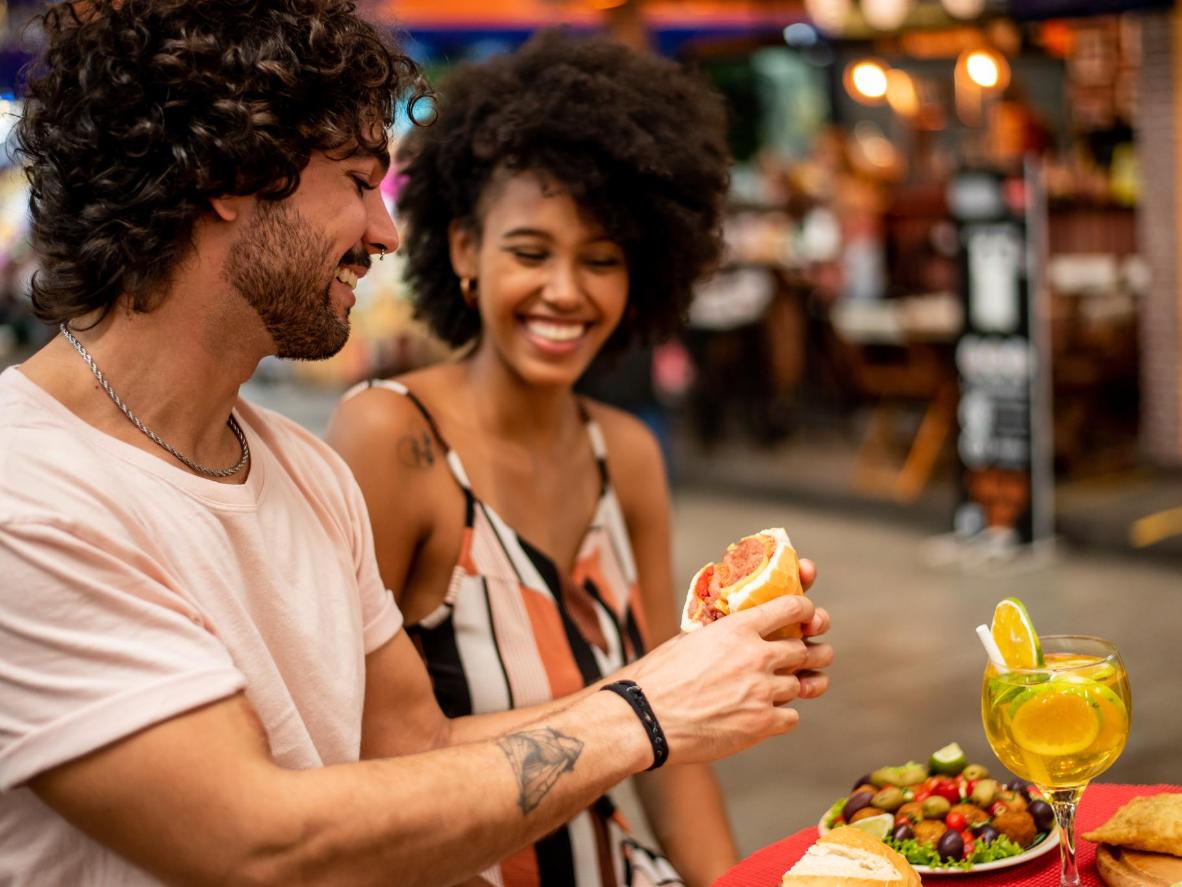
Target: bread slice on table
{"x": 848, "y": 857}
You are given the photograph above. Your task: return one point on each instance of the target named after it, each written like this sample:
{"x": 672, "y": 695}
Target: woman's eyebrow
{"x": 527, "y": 232}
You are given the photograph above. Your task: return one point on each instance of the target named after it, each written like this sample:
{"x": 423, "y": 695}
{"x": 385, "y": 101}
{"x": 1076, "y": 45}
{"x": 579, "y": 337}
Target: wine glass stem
{"x": 1063, "y": 802}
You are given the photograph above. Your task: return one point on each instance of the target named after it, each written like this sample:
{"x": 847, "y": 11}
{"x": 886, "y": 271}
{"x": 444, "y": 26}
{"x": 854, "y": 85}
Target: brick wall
{"x": 1158, "y": 231}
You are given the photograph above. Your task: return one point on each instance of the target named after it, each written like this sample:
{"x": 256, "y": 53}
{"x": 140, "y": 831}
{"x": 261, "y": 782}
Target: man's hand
{"x": 725, "y": 687}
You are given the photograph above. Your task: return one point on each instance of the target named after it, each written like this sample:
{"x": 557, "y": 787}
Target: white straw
{"x": 991, "y": 648}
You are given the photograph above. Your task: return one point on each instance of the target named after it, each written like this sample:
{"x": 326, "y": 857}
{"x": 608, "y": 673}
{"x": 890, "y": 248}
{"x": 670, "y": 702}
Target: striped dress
{"x": 514, "y": 631}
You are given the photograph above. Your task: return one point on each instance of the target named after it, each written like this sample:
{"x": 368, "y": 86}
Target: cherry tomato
{"x": 997, "y": 808}
{"x": 948, "y": 790}
{"x": 956, "y": 822}
{"x": 922, "y": 795}
{"x": 969, "y": 844}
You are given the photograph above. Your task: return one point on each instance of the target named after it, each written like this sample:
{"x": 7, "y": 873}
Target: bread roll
{"x": 754, "y": 570}
{"x": 848, "y": 857}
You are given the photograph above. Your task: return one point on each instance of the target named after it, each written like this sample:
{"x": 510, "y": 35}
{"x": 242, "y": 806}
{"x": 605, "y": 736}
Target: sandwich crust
{"x": 754, "y": 570}
{"x": 860, "y": 843}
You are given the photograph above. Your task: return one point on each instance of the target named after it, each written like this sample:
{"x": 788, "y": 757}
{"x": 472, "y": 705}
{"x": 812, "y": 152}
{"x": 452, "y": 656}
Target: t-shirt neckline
{"x": 243, "y": 495}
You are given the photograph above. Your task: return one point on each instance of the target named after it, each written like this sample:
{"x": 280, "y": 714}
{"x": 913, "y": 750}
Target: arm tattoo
{"x": 538, "y": 758}
{"x": 417, "y": 451}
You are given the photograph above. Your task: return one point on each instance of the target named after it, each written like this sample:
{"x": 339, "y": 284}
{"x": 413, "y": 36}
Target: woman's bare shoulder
{"x": 633, "y": 454}
{"x": 382, "y": 408}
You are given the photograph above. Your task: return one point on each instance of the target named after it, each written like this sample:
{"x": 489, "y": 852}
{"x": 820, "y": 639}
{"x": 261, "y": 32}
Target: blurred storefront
{"x": 836, "y": 318}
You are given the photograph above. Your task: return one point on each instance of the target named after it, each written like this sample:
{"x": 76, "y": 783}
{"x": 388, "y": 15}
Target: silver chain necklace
{"x": 201, "y": 469}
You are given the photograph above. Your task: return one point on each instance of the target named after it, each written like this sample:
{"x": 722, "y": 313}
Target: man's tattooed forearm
{"x": 538, "y": 758}
{"x": 417, "y": 450}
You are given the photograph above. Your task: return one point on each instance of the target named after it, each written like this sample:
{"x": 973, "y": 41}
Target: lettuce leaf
{"x": 926, "y": 855}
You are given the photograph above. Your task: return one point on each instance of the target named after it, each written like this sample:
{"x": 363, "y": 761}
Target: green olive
{"x": 935, "y": 807}
{"x": 974, "y": 772}
{"x": 889, "y": 799}
{"x": 985, "y": 792}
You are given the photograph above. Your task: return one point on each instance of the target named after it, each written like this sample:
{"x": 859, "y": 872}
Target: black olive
{"x": 950, "y": 845}
{"x": 987, "y": 834}
{"x": 865, "y": 780}
{"x": 1044, "y": 816}
{"x": 856, "y": 802}
{"x": 903, "y": 833}
{"x": 1021, "y": 786}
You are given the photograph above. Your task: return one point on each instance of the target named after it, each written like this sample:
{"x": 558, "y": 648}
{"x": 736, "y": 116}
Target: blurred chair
{"x": 899, "y": 355}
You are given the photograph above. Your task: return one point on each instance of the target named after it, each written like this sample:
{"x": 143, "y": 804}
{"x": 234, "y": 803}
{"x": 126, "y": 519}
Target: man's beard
{"x": 279, "y": 266}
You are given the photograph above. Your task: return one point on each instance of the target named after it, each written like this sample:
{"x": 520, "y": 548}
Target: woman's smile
{"x": 554, "y": 336}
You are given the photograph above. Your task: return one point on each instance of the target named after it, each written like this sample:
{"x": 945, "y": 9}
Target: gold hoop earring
{"x": 468, "y": 291}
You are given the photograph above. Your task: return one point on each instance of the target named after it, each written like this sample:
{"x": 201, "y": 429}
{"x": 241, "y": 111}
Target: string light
{"x": 885, "y": 15}
{"x": 964, "y": 8}
{"x": 987, "y": 69}
{"x": 901, "y": 94}
{"x": 828, "y": 15}
{"x": 866, "y": 81}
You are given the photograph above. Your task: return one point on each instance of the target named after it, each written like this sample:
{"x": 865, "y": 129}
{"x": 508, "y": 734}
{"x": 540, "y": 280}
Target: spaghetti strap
{"x": 598, "y": 444}
{"x": 452, "y": 457}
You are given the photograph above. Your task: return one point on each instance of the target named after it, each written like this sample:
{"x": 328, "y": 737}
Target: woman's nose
{"x": 562, "y": 289}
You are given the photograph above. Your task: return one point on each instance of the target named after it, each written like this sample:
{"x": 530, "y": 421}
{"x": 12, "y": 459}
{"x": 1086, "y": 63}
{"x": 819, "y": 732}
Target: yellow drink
{"x": 1057, "y": 713}
{"x": 1060, "y": 725}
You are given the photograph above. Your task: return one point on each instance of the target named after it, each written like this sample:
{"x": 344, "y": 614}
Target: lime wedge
{"x": 877, "y": 827}
{"x": 948, "y": 761}
{"x": 1059, "y": 718}
{"x": 1013, "y": 632}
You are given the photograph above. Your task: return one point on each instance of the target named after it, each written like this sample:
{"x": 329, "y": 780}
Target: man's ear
{"x": 464, "y": 245}
{"x": 229, "y": 208}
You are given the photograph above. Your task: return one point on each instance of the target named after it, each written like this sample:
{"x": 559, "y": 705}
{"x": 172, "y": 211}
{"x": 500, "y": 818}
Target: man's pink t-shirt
{"x": 132, "y": 591}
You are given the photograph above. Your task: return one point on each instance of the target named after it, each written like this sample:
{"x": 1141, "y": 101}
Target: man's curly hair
{"x": 142, "y": 110}
{"x": 638, "y": 143}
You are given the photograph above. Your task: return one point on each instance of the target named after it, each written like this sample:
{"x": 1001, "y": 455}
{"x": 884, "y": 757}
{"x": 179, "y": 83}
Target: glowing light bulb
{"x": 901, "y": 94}
{"x": 828, "y": 15}
{"x": 983, "y": 69}
{"x": 866, "y": 81}
{"x": 963, "y": 8}
{"x": 885, "y": 15}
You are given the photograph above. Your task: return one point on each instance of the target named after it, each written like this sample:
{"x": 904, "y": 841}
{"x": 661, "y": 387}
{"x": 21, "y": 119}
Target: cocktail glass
{"x": 1060, "y": 725}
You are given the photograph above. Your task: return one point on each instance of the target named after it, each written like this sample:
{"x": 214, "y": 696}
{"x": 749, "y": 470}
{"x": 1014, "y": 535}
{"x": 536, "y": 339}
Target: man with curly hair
{"x": 202, "y": 677}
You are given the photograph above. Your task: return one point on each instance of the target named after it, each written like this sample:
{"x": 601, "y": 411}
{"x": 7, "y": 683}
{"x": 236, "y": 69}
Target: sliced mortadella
{"x": 754, "y": 570}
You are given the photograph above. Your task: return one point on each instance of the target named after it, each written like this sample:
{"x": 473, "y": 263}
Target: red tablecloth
{"x": 764, "y": 867}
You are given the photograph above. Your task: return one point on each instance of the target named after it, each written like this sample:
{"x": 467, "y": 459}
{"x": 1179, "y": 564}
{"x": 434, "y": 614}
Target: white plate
{"x": 1047, "y": 844}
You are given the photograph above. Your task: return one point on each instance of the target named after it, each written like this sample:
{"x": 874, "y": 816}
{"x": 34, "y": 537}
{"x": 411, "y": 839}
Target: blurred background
{"x": 942, "y": 351}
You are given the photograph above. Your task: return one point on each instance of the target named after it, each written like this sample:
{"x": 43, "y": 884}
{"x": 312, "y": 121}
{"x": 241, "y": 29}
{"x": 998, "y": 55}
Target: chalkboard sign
{"x": 1004, "y": 426}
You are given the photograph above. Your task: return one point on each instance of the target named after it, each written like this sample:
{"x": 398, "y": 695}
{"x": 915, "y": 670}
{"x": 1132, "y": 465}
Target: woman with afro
{"x": 563, "y": 203}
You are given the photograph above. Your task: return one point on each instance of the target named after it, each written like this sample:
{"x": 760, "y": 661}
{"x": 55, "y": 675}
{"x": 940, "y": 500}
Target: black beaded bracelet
{"x": 635, "y": 697}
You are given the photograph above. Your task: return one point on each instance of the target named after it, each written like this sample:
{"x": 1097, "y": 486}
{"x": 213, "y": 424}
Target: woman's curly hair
{"x": 143, "y": 110}
{"x": 638, "y": 143}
